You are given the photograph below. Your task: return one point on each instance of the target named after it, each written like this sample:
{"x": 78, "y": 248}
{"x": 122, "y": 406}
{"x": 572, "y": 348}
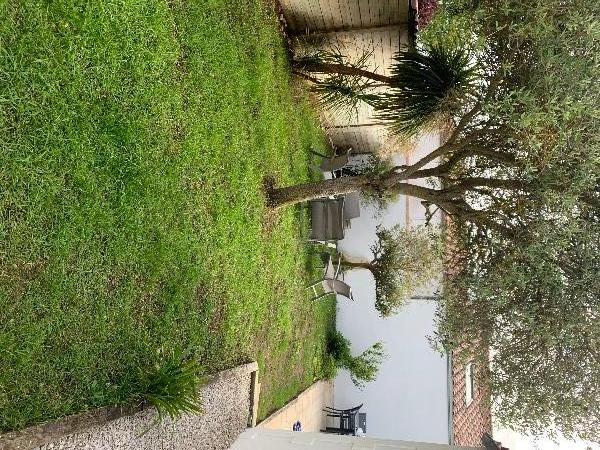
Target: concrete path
{"x": 307, "y": 408}
{"x": 263, "y": 439}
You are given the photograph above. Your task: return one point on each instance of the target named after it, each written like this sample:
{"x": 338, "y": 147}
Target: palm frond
{"x": 343, "y": 95}
{"x": 426, "y": 84}
{"x": 333, "y": 53}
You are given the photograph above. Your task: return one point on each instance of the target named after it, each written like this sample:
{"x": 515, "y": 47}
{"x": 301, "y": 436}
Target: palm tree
{"x": 421, "y": 90}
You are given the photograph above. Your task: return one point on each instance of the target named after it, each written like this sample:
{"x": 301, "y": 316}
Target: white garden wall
{"x": 409, "y": 399}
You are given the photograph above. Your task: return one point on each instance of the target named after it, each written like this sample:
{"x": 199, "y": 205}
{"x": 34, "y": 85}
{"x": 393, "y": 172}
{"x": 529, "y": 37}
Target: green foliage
{"x": 172, "y": 388}
{"x": 339, "y": 93}
{"x": 362, "y": 368}
{"x": 405, "y": 259}
{"x": 530, "y": 289}
{"x": 535, "y": 303}
{"x": 373, "y": 166}
{"x": 330, "y": 368}
{"x": 134, "y": 139}
{"x": 343, "y": 95}
{"x": 427, "y": 83}
{"x": 452, "y": 30}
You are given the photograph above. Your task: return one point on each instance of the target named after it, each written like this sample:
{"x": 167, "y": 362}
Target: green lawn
{"x": 134, "y": 139}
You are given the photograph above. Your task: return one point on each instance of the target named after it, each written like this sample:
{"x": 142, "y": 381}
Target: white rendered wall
{"x": 409, "y": 399}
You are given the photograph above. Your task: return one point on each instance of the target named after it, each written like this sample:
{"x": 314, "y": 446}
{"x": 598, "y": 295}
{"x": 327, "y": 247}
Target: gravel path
{"x": 226, "y": 403}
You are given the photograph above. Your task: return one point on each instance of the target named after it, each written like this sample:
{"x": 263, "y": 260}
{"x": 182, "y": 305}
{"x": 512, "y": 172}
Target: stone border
{"x": 38, "y": 435}
{"x": 254, "y": 398}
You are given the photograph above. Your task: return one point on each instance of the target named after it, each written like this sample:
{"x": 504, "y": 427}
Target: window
{"x": 469, "y": 383}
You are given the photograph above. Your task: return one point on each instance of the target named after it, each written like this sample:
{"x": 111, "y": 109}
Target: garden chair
{"x": 347, "y": 420}
{"x": 351, "y": 207}
{"x": 330, "y": 271}
{"x": 334, "y": 164}
{"x": 329, "y": 286}
{"x": 362, "y": 422}
{"x": 327, "y": 219}
{"x": 330, "y": 282}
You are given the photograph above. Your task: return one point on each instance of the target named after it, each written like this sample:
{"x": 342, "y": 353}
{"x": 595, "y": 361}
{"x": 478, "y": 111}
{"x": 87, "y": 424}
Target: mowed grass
{"x": 134, "y": 139}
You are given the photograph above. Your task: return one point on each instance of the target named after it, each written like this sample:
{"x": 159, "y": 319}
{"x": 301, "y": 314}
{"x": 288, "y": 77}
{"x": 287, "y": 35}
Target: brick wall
{"x": 469, "y": 421}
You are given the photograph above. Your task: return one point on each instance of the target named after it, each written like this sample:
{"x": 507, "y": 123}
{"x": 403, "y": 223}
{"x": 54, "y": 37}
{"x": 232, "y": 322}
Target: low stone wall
{"x": 307, "y": 408}
{"x": 227, "y": 404}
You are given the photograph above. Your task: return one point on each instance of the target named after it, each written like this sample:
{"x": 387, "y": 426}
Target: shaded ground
{"x": 135, "y": 137}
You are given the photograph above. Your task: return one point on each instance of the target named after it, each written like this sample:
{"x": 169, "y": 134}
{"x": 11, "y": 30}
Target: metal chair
{"x": 351, "y": 207}
{"x": 330, "y": 283}
{"x": 330, "y": 270}
{"x": 334, "y": 164}
{"x": 347, "y": 420}
{"x": 362, "y": 422}
{"x": 337, "y": 287}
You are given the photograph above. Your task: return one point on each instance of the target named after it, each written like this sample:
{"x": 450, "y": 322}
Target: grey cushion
{"x": 327, "y": 218}
{"x": 352, "y": 206}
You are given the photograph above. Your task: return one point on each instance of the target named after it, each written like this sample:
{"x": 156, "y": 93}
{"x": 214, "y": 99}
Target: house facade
{"x": 471, "y": 412}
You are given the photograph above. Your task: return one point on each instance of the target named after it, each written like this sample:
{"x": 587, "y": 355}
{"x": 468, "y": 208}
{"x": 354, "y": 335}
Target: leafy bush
{"x": 363, "y": 368}
{"x": 173, "y": 387}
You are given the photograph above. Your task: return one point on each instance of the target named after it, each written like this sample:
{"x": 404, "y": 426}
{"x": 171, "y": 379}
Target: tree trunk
{"x": 450, "y": 202}
{"x": 279, "y": 197}
{"x": 316, "y": 67}
{"x": 357, "y": 265}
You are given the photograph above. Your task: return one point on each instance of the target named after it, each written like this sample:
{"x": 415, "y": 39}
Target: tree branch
{"x": 590, "y": 200}
{"x": 442, "y": 150}
{"x": 452, "y": 206}
{"x": 341, "y": 69}
{"x": 469, "y": 115}
{"x": 474, "y": 182}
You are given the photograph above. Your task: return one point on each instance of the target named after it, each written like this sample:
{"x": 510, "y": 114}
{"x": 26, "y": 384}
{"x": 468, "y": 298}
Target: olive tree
{"x": 404, "y": 259}
{"x": 533, "y": 296}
